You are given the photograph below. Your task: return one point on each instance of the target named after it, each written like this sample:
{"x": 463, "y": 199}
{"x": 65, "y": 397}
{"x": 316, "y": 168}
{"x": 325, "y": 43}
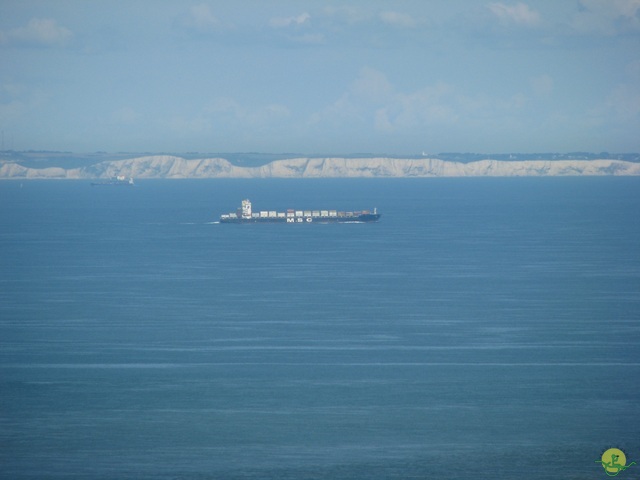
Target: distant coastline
{"x": 60, "y": 165}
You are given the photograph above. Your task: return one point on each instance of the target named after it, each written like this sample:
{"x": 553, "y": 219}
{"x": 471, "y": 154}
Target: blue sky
{"x": 397, "y": 76}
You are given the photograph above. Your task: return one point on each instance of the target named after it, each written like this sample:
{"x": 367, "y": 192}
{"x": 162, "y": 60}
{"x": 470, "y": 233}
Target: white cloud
{"x": 396, "y": 19}
{"x": 542, "y": 85}
{"x": 623, "y": 104}
{"x": 309, "y": 39}
{"x": 519, "y": 14}
{"x": 371, "y": 89}
{"x": 344, "y": 111}
{"x": 224, "y": 116}
{"x": 607, "y": 17}
{"x": 372, "y": 85}
{"x": 373, "y": 104}
{"x": 11, "y": 90}
{"x": 347, "y": 15}
{"x": 230, "y": 110}
{"x": 43, "y": 32}
{"x": 633, "y": 70}
{"x": 296, "y": 21}
{"x": 189, "y": 126}
{"x": 431, "y": 105}
{"x": 17, "y": 102}
{"x": 296, "y": 29}
{"x": 372, "y": 99}
{"x": 345, "y": 26}
{"x": 11, "y": 111}
{"x": 201, "y": 19}
{"x": 616, "y": 116}
{"x": 125, "y": 116}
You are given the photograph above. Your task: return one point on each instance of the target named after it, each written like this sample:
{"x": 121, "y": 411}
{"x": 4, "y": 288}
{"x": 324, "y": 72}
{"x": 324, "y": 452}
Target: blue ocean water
{"x": 485, "y": 328}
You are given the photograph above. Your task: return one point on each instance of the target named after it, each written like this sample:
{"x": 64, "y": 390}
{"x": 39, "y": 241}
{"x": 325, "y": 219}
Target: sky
{"x": 312, "y": 76}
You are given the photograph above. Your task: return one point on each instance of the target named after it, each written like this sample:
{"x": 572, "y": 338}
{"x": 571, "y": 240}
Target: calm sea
{"x": 485, "y": 328}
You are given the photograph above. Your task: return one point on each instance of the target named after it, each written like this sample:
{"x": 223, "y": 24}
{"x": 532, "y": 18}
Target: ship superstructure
{"x": 245, "y": 214}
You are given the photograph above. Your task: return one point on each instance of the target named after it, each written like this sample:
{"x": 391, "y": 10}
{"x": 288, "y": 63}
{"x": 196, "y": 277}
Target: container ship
{"x": 245, "y": 214}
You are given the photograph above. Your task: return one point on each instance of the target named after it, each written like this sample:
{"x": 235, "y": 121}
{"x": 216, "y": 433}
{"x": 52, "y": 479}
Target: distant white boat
{"x": 120, "y": 180}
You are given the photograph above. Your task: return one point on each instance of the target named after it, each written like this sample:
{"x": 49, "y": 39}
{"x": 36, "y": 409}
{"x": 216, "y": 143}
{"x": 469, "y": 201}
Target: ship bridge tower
{"x": 246, "y": 209}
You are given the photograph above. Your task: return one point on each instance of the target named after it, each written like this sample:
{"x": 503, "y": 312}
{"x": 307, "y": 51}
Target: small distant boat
{"x": 120, "y": 180}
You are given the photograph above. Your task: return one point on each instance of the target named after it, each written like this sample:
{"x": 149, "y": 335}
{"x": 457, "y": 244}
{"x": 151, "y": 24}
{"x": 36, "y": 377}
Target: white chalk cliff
{"x": 166, "y": 166}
